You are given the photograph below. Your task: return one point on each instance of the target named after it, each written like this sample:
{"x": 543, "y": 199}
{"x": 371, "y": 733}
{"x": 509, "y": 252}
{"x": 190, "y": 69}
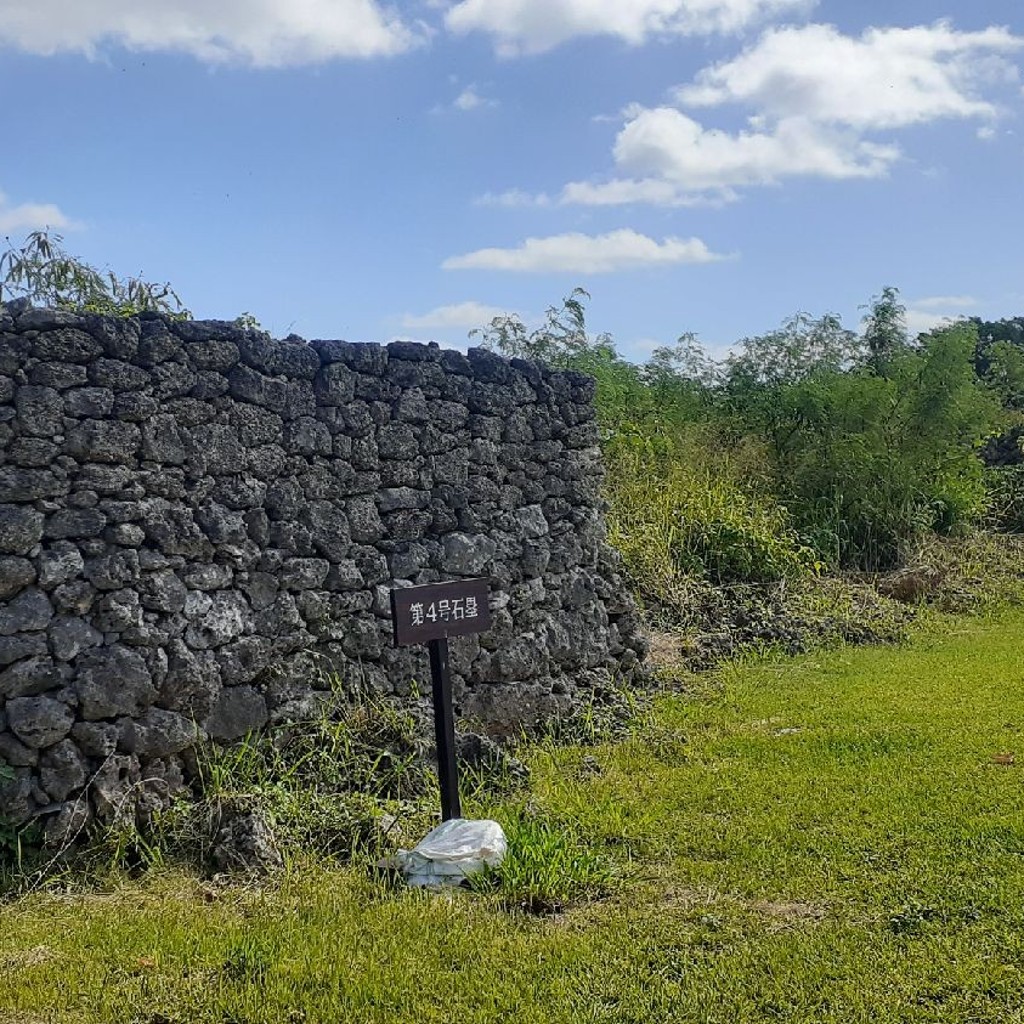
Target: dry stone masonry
{"x": 199, "y": 526}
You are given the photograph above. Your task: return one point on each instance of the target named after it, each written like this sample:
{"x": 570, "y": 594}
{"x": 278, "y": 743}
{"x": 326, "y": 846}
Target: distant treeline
{"x": 812, "y": 447}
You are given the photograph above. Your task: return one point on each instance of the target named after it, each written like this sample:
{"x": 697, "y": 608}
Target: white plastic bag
{"x": 453, "y": 851}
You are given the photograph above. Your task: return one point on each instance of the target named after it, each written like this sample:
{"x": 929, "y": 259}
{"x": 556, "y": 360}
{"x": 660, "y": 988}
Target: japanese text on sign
{"x": 438, "y": 610}
{"x": 454, "y": 610}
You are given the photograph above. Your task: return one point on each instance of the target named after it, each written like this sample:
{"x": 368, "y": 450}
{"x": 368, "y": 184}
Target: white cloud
{"x": 533, "y": 26}
{"x": 886, "y": 78}
{"x": 263, "y": 33}
{"x": 616, "y": 192}
{"x": 459, "y": 315}
{"x": 920, "y": 320}
{"x": 945, "y": 302}
{"x": 586, "y": 254}
{"x": 817, "y": 99}
{"x": 31, "y": 216}
{"x": 513, "y": 198}
{"x": 935, "y": 311}
{"x": 470, "y": 99}
{"x": 673, "y": 160}
{"x": 655, "y": 191}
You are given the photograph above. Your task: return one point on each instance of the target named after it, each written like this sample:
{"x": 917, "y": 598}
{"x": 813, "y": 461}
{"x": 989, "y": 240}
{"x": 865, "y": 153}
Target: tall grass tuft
{"x": 548, "y": 866}
{"x": 675, "y": 517}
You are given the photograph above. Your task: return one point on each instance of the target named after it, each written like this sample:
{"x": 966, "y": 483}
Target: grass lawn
{"x": 838, "y": 837}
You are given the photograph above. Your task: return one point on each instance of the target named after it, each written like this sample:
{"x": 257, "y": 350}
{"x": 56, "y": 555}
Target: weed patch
{"x": 549, "y": 866}
{"x": 348, "y": 781}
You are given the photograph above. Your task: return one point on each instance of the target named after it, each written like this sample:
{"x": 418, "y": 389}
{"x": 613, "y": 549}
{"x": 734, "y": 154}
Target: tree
{"x": 885, "y": 330}
{"x": 866, "y": 461}
{"x": 43, "y": 272}
{"x": 561, "y": 340}
{"x": 801, "y": 347}
{"x": 686, "y": 360}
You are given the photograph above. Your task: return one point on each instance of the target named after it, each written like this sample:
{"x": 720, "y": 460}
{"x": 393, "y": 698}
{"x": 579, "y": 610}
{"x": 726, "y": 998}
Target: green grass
{"x": 819, "y": 839}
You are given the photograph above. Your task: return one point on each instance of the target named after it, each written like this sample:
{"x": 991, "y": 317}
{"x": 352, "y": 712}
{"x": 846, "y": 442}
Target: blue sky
{"x": 356, "y": 169}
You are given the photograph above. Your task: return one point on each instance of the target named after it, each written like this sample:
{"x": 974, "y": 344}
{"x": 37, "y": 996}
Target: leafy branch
{"x": 42, "y": 271}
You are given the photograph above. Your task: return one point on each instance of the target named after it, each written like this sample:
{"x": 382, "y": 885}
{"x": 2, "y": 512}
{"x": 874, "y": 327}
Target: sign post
{"x": 431, "y": 614}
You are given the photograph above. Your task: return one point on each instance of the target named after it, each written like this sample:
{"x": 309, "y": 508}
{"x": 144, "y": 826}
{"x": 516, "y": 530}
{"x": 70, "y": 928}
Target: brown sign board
{"x": 435, "y": 611}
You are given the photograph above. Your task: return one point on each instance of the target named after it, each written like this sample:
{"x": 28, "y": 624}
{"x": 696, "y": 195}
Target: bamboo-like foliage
{"x": 44, "y": 272}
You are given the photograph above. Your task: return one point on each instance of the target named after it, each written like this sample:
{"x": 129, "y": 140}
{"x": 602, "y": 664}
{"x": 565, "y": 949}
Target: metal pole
{"x": 444, "y": 729}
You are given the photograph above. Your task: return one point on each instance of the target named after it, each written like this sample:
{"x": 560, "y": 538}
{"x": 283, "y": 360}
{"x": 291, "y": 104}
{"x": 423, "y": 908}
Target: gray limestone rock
{"x": 246, "y": 843}
{"x": 69, "y": 636}
{"x": 63, "y": 769}
{"x": 240, "y": 710}
{"x": 222, "y": 525}
{"x": 74, "y": 598}
{"x": 243, "y": 661}
{"x": 40, "y": 411}
{"x": 127, "y": 535}
{"x": 15, "y": 753}
{"x": 97, "y": 739}
{"x": 68, "y": 345}
{"x": 33, "y": 452}
{"x": 164, "y": 441}
{"x": 19, "y": 484}
{"x": 96, "y": 440}
{"x": 117, "y": 375}
{"x": 532, "y": 522}
{"x": 57, "y": 375}
{"x": 303, "y": 573}
{"x": 398, "y": 441}
{"x": 220, "y": 447}
{"x": 15, "y": 575}
{"x": 391, "y": 499}
{"x": 17, "y": 802}
{"x": 214, "y": 354}
{"x": 157, "y": 733}
{"x": 207, "y": 576}
{"x": 307, "y": 436}
{"x": 24, "y": 645}
{"x": 21, "y": 529}
{"x": 249, "y": 386}
{"x": 328, "y": 529}
{"x": 364, "y": 521}
{"x": 119, "y": 336}
{"x": 89, "y": 402}
{"x": 39, "y": 721}
{"x": 117, "y": 611}
{"x": 75, "y": 522}
{"x": 192, "y": 682}
{"x": 114, "y": 788}
{"x": 113, "y": 681}
{"x": 29, "y": 677}
{"x": 261, "y": 588}
{"x": 115, "y": 570}
{"x": 162, "y": 591}
{"x": 134, "y": 407}
{"x": 67, "y": 826}
{"x": 466, "y": 555}
{"x": 345, "y": 575}
{"x": 227, "y": 616}
{"x": 30, "y": 610}
{"x": 335, "y": 385}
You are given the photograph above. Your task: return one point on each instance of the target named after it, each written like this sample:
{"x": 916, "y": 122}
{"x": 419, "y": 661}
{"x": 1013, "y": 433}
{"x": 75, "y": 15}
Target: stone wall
{"x": 199, "y": 525}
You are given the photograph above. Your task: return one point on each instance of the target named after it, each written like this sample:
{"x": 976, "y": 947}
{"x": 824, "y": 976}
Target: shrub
{"x": 47, "y": 275}
{"x": 1005, "y": 498}
{"x": 674, "y": 518}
